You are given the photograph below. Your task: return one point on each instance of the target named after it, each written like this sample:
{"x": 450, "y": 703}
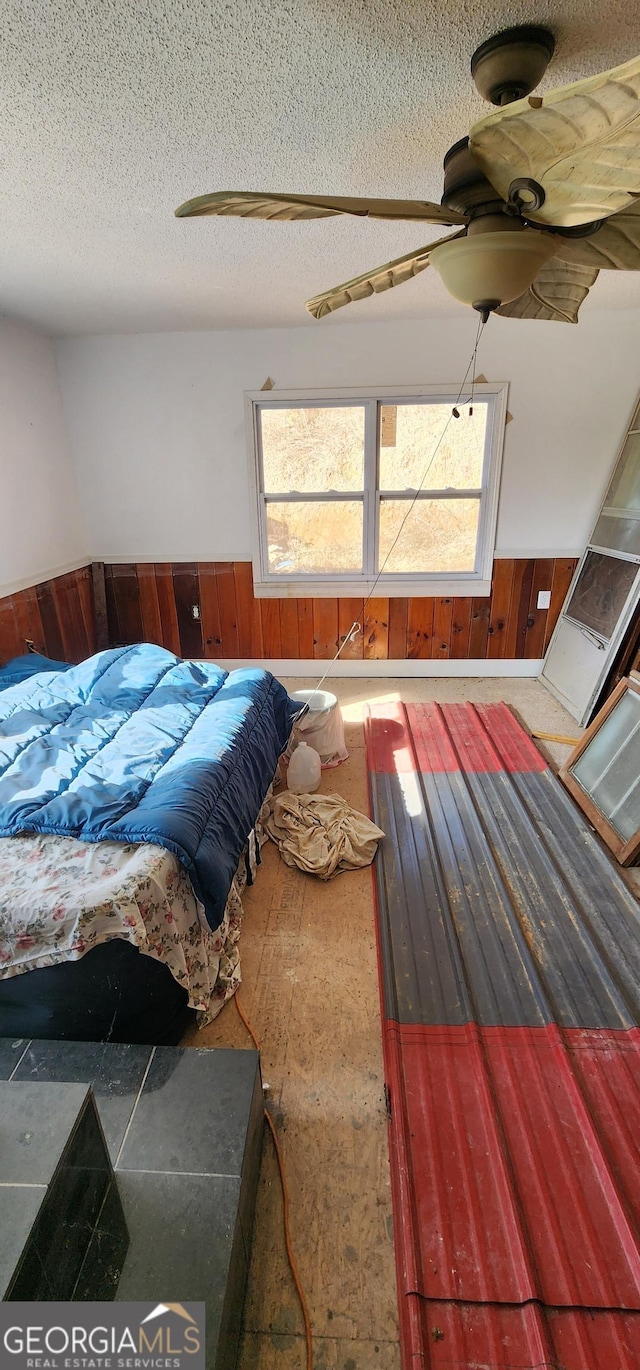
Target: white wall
{"x": 41, "y": 529}
{"x": 157, "y": 437}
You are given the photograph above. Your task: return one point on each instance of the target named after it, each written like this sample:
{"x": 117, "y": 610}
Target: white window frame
{"x": 390, "y": 584}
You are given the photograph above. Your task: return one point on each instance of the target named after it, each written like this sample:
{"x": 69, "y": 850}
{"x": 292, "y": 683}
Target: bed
{"x": 130, "y": 786}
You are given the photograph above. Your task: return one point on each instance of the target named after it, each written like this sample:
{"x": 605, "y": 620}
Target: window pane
{"x": 312, "y": 450}
{"x": 609, "y": 768}
{"x": 619, "y": 533}
{"x": 624, "y": 491}
{"x": 439, "y": 535}
{"x": 318, "y": 537}
{"x": 601, "y": 592}
{"x": 409, "y": 436}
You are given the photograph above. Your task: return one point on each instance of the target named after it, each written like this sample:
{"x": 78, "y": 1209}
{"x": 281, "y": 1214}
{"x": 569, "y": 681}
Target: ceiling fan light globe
{"x": 492, "y": 266}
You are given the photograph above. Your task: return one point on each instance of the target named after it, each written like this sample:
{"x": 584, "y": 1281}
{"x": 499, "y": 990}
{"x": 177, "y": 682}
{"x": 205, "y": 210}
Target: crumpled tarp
{"x": 320, "y": 833}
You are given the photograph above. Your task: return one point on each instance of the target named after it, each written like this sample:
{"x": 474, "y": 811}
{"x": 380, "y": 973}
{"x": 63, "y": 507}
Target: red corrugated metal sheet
{"x": 507, "y": 942}
{"x": 449, "y": 1336}
{"x": 456, "y": 737}
{"x": 514, "y": 1192}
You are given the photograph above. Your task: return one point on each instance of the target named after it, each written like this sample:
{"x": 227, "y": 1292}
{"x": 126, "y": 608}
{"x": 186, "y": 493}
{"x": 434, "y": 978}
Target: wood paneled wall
{"x": 57, "y": 617}
{"x": 153, "y": 602}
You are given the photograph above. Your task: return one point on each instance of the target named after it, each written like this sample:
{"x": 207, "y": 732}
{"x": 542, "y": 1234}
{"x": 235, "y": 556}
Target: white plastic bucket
{"x": 321, "y": 726}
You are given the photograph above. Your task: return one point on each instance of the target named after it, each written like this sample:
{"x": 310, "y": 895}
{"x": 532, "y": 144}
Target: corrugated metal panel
{"x": 510, "y": 968}
{"x": 498, "y": 903}
{"x": 518, "y": 1193}
{"x": 449, "y": 1336}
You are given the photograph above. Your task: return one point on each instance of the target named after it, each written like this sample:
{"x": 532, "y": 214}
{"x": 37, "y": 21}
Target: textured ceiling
{"x": 112, "y": 112}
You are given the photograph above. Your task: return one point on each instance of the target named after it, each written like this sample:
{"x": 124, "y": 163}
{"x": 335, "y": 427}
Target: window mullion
{"x": 370, "y": 531}
{"x": 313, "y": 497}
{"x": 431, "y": 494}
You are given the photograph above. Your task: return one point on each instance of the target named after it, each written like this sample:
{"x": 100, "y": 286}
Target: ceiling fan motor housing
{"x": 466, "y": 188}
{"x": 509, "y": 65}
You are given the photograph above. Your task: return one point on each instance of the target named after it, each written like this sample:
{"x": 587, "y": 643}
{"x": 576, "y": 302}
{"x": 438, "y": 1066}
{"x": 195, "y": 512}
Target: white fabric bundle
{"x": 320, "y": 833}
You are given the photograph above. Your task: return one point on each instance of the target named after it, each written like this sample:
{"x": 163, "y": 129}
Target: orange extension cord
{"x": 285, "y": 1204}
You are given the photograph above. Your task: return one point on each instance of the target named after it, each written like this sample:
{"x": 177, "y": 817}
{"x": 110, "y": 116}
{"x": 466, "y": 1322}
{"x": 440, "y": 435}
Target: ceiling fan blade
{"x": 581, "y": 143}
{"x": 614, "y": 247}
{"x": 247, "y": 204}
{"x": 556, "y": 294}
{"x": 374, "y": 282}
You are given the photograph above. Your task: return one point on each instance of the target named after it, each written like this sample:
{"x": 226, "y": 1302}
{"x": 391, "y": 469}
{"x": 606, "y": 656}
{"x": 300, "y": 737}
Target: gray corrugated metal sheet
{"x": 499, "y": 903}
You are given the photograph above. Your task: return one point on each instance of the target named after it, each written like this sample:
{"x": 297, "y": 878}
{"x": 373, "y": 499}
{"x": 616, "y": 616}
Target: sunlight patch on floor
{"x": 354, "y": 710}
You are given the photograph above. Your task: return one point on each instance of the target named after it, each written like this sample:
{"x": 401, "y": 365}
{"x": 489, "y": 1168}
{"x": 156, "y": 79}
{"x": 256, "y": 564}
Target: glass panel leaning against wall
{"x": 603, "y": 773}
{"x": 353, "y": 490}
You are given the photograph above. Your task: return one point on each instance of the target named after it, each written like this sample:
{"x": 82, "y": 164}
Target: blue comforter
{"x": 134, "y": 745}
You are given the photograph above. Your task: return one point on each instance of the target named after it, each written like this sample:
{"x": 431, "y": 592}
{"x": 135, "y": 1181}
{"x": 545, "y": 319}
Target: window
{"x": 335, "y": 480}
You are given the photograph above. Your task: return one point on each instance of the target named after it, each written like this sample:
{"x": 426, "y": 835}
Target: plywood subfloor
{"x": 310, "y": 990}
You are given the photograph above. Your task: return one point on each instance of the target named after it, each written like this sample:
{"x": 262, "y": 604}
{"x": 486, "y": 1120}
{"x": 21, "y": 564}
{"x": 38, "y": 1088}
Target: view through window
{"x": 337, "y": 481}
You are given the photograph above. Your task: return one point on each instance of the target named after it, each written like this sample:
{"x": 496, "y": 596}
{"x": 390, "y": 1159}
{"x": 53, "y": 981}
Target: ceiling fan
{"x": 544, "y": 194}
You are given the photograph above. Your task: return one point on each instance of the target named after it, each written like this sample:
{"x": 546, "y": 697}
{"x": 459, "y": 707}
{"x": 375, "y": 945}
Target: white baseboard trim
{"x": 147, "y": 559}
{"x": 313, "y": 669}
{"x": 210, "y": 554}
{"x": 13, "y": 587}
{"x": 534, "y": 554}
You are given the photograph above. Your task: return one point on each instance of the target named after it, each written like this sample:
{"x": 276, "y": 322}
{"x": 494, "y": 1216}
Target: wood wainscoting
{"x": 56, "y": 617}
{"x": 154, "y": 602}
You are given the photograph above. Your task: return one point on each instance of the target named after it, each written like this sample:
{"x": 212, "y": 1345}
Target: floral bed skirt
{"x": 60, "y": 897}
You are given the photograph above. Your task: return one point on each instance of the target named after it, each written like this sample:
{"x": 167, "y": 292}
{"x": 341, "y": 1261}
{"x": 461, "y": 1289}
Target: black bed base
{"x": 112, "y": 994}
